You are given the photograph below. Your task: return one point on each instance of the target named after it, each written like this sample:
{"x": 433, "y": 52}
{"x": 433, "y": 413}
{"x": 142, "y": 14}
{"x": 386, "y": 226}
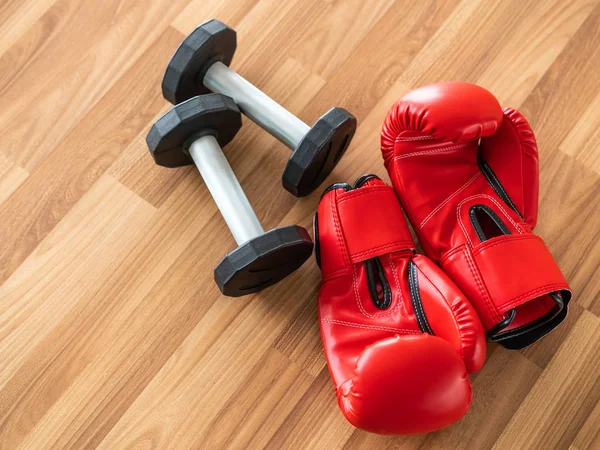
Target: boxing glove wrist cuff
{"x": 504, "y": 273}
{"x": 372, "y": 223}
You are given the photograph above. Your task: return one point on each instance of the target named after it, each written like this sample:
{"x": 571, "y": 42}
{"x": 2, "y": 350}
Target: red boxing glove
{"x": 466, "y": 174}
{"x": 398, "y": 335}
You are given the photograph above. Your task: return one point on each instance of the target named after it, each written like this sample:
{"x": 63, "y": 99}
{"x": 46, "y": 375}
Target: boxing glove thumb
{"x": 509, "y": 161}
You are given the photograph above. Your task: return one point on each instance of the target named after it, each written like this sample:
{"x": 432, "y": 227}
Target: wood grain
{"x": 112, "y": 332}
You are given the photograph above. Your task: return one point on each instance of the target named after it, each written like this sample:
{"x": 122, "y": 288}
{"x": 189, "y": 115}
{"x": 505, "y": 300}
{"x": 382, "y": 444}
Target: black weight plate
{"x": 210, "y": 42}
{"x": 213, "y": 114}
{"x": 319, "y": 152}
{"x": 263, "y": 261}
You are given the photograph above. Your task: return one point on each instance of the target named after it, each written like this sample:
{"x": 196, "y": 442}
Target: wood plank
{"x": 567, "y": 207}
{"x": 259, "y": 406}
{"x": 300, "y": 340}
{"x": 16, "y": 17}
{"x": 123, "y": 302}
{"x": 81, "y": 48}
{"x": 315, "y": 422}
{"x": 381, "y": 57}
{"x": 81, "y": 158}
{"x": 554, "y": 107}
{"x": 40, "y": 295}
{"x": 220, "y": 352}
{"x": 589, "y": 436}
{"x": 570, "y": 387}
{"x": 230, "y": 12}
{"x": 524, "y": 53}
{"x": 366, "y": 441}
{"x": 11, "y": 177}
{"x": 327, "y": 45}
{"x": 583, "y": 140}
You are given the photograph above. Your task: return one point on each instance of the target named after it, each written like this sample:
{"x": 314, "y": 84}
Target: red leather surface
{"x": 335, "y": 259}
{"x": 430, "y": 143}
{"x": 361, "y": 210}
{"x": 422, "y": 376}
{"x": 389, "y": 376}
{"x": 455, "y": 319}
{"x": 513, "y": 155}
{"x": 477, "y": 113}
{"x": 510, "y": 258}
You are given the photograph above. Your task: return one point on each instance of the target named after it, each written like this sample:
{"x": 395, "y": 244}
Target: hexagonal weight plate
{"x": 210, "y": 42}
{"x": 319, "y": 152}
{"x": 171, "y": 134}
{"x": 263, "y": 261}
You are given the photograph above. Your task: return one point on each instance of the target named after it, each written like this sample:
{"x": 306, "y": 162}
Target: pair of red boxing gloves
{"x": 401, "y": 331}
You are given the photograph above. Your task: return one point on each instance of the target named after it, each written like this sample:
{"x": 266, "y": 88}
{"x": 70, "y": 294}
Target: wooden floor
{"x": 112, "y": 331}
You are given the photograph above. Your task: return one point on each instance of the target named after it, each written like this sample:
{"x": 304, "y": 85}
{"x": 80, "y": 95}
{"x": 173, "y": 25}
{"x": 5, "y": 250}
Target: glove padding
{"x": 466, "y": 173}
{"x": 398, "y": 335}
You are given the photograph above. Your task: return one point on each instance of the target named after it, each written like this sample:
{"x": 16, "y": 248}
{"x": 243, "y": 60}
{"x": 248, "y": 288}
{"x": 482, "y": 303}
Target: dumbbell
{"x": 194, "y": 132}
{"x": 200, "y": 65}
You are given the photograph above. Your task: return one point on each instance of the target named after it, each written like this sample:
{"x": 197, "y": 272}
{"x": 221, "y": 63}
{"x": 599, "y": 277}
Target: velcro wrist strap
{"x": 517, "y": 269}
{"x": 372, "y": 223}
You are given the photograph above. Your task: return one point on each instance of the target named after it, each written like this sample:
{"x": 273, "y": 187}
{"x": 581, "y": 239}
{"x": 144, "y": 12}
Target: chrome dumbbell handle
{"x": 225, "y": 189}
{"x": 257, "y": 105}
